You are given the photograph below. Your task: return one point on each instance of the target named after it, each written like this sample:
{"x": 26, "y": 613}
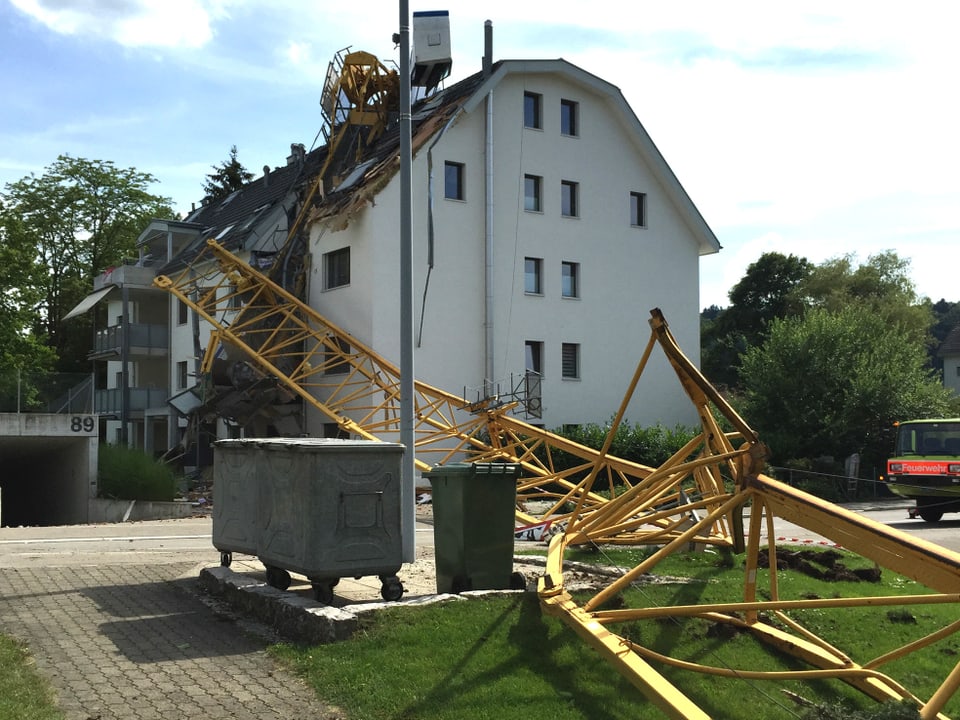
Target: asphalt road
{"x": 892, "y": 514}
{"x": 142, "y": 543}
{"x": 188, "y": 540}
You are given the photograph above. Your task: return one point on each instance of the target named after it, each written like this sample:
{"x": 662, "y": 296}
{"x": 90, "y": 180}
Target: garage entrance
{"x": 49, "y": 468}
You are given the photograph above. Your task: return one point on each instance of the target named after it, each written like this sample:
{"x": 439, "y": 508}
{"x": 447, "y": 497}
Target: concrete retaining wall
{"x": 114, "y": 511}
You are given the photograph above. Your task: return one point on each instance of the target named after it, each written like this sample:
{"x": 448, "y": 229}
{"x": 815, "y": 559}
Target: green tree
{"x": 72, "y": 222}
{"x": 833, "y": 382}
{"x": 767, "y": 291}
{"x": 20, "y": 350}
{"x": 226, "y": 178}
{"x": 881, "y": 285}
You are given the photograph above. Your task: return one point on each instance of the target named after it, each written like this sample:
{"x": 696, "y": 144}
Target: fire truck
{"x": 926, "y": 466}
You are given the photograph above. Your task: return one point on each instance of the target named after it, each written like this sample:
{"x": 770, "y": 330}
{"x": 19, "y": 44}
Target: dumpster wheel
{"x": 390, "y": 588}
{"x": 323, "y": 590}
{"x": 226, "y": 558}
{"x": 278, "y": 577}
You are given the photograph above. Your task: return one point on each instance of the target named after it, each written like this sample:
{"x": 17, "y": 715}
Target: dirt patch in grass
{"x": 825, "y": 565}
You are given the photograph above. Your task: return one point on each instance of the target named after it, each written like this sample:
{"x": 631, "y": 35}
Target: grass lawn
{"x": 500, "y": 657}
{"x": 24, "y": 695}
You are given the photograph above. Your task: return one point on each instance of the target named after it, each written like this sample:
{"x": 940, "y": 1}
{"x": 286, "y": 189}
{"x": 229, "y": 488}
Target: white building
{"x": 587, "y": 227}
{"x": 553, "y": 223}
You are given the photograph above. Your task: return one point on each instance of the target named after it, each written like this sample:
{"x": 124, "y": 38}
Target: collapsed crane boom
{"x": 697, "y": 496}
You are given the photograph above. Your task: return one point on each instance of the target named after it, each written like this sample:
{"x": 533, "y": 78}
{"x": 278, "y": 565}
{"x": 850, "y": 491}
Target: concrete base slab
{"x": 293, "y": 615}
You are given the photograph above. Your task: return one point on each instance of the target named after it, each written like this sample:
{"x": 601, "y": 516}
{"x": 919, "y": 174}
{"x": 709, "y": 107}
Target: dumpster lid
{"x": 487, "y": 468}
{"x": 307, "y": 444}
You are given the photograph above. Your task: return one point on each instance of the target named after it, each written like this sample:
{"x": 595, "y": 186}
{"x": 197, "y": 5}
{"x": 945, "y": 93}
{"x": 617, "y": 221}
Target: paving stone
{"x": 130, "y": 642}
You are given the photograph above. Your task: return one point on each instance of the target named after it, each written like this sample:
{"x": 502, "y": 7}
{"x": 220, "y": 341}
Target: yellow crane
{"x": 698, "y": 496}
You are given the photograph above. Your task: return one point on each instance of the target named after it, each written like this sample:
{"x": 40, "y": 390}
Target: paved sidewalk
{"x": 133, "y": 642}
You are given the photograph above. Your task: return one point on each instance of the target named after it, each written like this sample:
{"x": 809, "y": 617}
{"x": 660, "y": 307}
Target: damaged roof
{"x": 232, "y": 220}
{"x": 352, "y": 185}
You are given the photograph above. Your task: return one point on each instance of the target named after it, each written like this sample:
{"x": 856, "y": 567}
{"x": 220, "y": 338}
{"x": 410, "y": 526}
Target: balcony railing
{"x": 110, "y": 401}
{"x": 144, "y": 339}
{"x": 24, "y": 392}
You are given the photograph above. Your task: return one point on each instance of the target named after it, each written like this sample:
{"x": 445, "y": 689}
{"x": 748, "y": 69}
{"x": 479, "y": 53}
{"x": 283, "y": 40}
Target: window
{"x": 234, "y": 302}
{"x": 182, "y": 375}
{"x": 534, "y": 356}
{"x": 570, "y": 361}
{"x": 453, "y": 181}
{"x": 638, "y": 209}
{"x": 532, "y": 116}
{"x": 531, "y": 193}
{"x": 336, "y": 268}
{"x": 333, "y": 357}
{"x": 207, "y": 299}
{"x": 569, "y": 200}
{"x": 181, "y": 313}
{"x": 333, "y": 430}
{"x": 533, "y": 276}
{"x": 569, "y": 115}
{"x": 570, "y": 280}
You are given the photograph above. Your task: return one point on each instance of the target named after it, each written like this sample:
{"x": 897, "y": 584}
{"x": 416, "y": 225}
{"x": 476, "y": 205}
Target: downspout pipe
{"x": 488, "y": 368}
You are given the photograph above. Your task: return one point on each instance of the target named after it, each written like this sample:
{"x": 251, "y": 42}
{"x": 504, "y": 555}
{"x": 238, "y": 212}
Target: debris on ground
{"x": 820, "y": 565}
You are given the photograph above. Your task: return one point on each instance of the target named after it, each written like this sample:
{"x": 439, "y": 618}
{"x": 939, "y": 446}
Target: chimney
{"x": 297, "y": 153}
{"x": 266, "y": 175}
{"x": 487, "y": 48}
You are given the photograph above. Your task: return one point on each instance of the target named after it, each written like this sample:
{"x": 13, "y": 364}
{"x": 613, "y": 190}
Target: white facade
{"x": 623, "y": 270}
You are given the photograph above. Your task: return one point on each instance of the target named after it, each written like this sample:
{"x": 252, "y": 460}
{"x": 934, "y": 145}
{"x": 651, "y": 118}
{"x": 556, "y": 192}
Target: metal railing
{"x": 141, "y": 335}
{"x": 110, "y": 401}
{"x": 26, "y": 392}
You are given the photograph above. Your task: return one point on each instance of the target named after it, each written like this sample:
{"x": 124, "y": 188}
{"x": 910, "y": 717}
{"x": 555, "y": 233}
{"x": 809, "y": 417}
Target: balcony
{"x": 145, "y": 341}
{"x": 132, "y": 273}
{"x": 110, "y": 401}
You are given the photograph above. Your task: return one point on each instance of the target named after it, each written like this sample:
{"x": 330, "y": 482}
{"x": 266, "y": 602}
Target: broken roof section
{"x": 236, "y": 221}
{"x": 352, "y": 182}
{"x": 430, "y": 116}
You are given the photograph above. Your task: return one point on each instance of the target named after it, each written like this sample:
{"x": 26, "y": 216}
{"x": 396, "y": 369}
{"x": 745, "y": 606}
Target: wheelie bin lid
{"x": 464, "y": 469}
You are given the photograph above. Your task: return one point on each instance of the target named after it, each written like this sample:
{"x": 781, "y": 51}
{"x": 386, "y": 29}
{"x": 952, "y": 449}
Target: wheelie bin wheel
{"x": 226, "y": 558}
{"x": 391, "y": 588}
{"x": 460, "y": 584}
{"x": 323, "y": 591}
{"x": 518, "y": 581}
{"x": 278, "y": 578}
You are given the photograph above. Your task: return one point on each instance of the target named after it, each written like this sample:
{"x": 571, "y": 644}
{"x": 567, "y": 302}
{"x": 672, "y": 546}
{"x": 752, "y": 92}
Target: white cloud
{"x": 141, "y": 23}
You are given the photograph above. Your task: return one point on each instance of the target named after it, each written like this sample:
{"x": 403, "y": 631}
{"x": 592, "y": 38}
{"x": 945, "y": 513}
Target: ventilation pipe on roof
{"x": 266, "y": 175}
{"x": 487, "y": 48}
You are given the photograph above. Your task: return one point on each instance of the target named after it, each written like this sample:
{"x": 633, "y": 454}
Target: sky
{"x": 818, "y": 129}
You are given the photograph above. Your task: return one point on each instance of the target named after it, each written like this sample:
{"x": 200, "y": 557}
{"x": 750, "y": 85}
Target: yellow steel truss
{"x": 697, "y": 496}
{"x": 769, "y": 620}
{"x": 336, "y": 374}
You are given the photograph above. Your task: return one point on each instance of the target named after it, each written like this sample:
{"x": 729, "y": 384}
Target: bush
{"x": 129, "y": 474}
{"x": 648, "y": 446}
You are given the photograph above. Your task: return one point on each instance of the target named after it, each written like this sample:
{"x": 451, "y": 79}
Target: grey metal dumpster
{"x": 474, "y": 507}
{"x": 319, "y": 507}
